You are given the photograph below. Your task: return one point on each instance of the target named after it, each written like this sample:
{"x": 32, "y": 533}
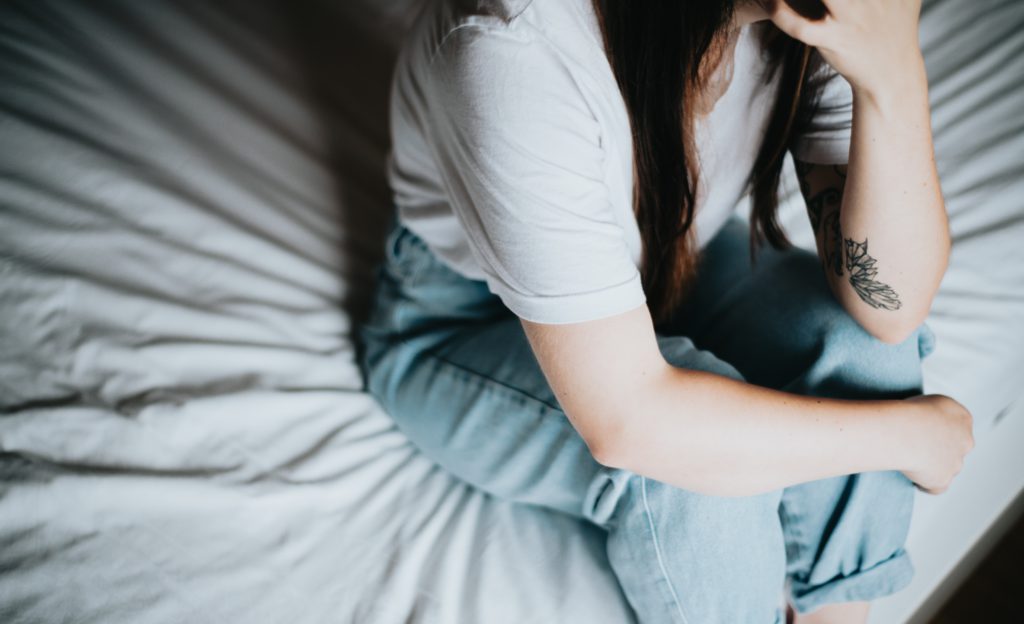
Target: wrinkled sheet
{"x": 191, "y": 208}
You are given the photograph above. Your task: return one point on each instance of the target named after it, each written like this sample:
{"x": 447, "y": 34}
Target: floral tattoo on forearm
{"x": 823, "y": 209}
{"x": 861, "y": 267}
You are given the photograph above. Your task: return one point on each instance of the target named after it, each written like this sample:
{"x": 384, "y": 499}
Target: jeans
{"x": 453, "y": 368}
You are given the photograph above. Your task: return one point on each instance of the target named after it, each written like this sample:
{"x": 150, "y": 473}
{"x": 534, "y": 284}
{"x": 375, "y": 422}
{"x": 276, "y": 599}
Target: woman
{"x": 570, "y": 317}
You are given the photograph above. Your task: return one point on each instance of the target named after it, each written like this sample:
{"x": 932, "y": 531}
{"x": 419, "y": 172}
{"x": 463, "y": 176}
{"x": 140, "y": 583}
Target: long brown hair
{"x": 660, "y": 52}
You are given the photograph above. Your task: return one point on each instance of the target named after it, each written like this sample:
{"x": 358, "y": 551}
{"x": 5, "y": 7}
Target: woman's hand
{"x": 872, "y": 43}
{"x": 946, "y": 438}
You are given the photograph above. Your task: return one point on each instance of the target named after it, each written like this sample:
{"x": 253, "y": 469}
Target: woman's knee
{"x": 853, "y": 363}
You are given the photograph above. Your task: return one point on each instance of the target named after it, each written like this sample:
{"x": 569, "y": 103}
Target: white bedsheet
{"x": 191, "y": 205}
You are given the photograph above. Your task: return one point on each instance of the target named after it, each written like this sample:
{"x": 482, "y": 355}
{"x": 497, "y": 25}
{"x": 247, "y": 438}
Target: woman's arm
{"x": 715, "y": 435}
{"x": 887, "y": 246}
{"x": 851, "y": 268}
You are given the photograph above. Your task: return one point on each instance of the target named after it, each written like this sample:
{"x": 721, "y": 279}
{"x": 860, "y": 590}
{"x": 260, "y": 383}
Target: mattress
{"x": 192, "y": 205}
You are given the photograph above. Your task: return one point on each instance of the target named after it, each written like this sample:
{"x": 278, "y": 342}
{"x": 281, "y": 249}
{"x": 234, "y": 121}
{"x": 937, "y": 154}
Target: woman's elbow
{"x": 892, "y": 334}
{"x": 605, "y": 442}
{"x": 603, "y": 431}
{"x": 896, "y": 331}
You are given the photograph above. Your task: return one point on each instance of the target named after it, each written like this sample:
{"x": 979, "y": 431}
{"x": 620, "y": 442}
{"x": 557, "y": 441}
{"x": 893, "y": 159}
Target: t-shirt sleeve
{"x": 521, "y": 158}
{"x": 826, "y": 140}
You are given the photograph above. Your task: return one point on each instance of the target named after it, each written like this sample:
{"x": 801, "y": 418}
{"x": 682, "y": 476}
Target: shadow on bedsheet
{"x": 213, "y": 156}
{"x": 347, "y": 60}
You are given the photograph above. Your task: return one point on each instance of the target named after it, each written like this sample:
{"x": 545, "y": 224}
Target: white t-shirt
{"x": 512, "y": 153}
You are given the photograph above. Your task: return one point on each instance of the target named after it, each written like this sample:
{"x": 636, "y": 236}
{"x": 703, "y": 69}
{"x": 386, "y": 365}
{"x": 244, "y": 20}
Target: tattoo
{"x": 862, "y": 270}
{"x": 832, "y": 245}
{"x": 818, "y": 204}
{"x": 823, "y": 208}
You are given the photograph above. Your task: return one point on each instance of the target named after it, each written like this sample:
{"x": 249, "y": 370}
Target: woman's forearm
{"x": 894, "y": 238}
{"x": 894, "y": 230}
{"x": 714, "y": 435}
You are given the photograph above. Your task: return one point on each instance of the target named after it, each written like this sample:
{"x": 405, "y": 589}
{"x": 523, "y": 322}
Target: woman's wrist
{"x": 883, "y": 435}
{"x": 901, "y": 86}
{"x": 910, "y": 436}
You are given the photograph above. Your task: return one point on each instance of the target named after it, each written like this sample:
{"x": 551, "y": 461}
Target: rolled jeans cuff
{"x": 882, "y": 579}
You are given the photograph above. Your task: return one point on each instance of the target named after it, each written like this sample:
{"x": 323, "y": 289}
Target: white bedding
{"x": 191, "y": 204}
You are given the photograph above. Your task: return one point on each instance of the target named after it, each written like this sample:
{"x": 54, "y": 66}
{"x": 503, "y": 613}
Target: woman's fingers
{"x": 789, "y": 21}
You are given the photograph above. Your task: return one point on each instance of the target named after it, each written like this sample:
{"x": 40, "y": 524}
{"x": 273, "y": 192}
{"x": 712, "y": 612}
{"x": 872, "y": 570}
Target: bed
{"x": 192, "y": 205}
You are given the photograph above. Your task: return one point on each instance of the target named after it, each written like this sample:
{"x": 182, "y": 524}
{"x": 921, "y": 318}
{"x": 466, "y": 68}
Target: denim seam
{"x": 657, "y": 551}
{"x": 493, "y": 382}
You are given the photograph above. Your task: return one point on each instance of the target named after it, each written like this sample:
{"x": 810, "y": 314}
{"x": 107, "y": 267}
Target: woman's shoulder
{"x": 495, "y": 50}
{"x": 451, "y": 25}
{"x": 503, "y": 10}
{"x": 455, "y": 31}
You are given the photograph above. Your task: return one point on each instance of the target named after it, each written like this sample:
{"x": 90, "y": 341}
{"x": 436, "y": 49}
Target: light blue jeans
{"x": 453, "y": 367}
